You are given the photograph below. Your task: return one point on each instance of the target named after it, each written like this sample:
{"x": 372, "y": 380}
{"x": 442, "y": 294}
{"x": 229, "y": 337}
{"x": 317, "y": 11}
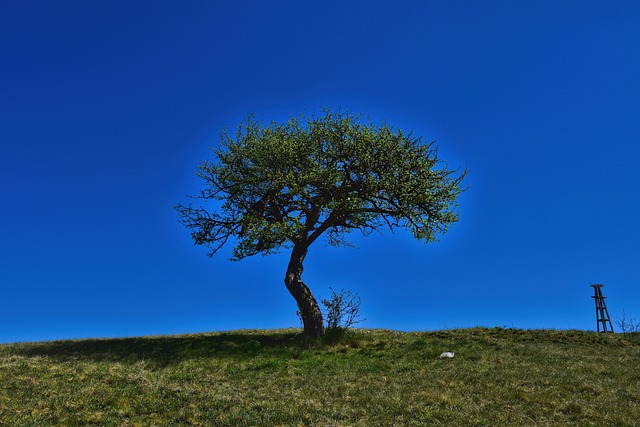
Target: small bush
{"x": 629, "y": 326}
{"x": 341, "y": 311}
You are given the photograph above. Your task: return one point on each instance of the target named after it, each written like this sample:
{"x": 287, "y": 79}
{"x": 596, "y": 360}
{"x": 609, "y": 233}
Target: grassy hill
{"x": 498, "y": 377}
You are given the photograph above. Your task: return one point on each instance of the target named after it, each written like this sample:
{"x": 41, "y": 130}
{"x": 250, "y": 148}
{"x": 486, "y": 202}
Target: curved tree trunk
{"x": 307, "y": 304}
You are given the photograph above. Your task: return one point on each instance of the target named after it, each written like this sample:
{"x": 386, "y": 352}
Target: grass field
{"x": 498, "y": 377}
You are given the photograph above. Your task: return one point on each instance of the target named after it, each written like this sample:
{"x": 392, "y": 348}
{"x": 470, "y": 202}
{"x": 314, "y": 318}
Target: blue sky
{"x": 108, "y": 107}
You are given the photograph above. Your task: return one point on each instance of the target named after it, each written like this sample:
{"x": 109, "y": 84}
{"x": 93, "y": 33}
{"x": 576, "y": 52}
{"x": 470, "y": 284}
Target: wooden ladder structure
{"x": 602, "y": 314}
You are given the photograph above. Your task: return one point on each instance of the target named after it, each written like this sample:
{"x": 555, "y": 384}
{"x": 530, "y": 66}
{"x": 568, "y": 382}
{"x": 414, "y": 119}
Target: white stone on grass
{"x": 447, "y": 355}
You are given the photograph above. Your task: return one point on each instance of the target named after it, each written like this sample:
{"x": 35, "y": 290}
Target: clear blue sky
{"x": 107, "y": 107}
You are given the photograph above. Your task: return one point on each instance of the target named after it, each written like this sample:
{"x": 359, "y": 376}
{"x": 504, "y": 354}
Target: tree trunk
{"x": 307, "y": 304}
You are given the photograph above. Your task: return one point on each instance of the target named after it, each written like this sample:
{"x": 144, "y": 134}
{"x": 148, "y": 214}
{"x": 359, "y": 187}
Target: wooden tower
{"x": 602, "y": 314}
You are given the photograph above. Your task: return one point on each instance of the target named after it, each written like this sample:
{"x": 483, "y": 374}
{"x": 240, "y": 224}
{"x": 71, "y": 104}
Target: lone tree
{"x": 284, "y": 185}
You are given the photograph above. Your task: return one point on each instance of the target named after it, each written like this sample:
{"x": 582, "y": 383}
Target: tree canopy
{"x": 284, "y": 185}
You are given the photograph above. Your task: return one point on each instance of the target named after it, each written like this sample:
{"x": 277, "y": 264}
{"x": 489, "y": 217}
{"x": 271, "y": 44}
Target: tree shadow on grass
{"x": 163, "y": 351}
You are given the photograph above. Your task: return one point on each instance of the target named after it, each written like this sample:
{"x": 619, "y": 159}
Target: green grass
{"x": 499, "y": 377}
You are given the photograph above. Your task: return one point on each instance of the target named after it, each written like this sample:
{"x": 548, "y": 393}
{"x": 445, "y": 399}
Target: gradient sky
{"x": 107, "y": 107}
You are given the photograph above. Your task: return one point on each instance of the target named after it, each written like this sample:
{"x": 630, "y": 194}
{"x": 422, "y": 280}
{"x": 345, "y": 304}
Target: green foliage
{"x": 502, "y": 377}
{"x": 285, "y": 184}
